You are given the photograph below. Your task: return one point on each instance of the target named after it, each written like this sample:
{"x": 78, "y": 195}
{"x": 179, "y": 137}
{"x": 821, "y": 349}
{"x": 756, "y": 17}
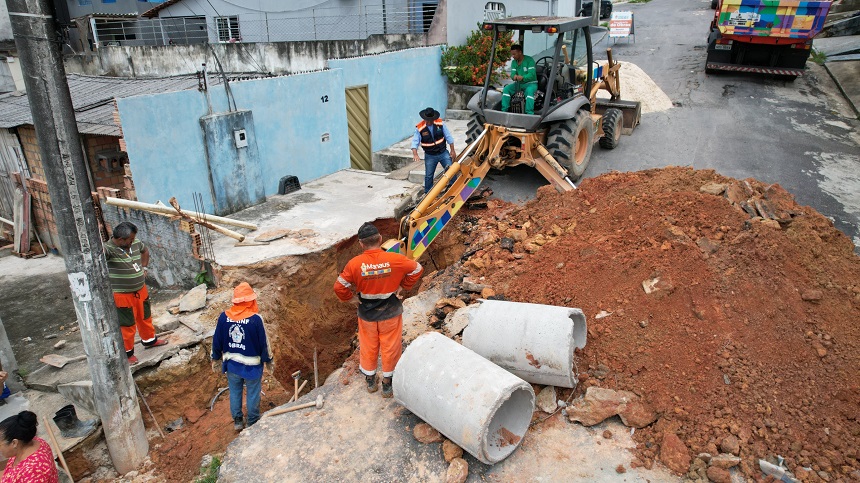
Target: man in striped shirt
{"x": 127, "y": 259}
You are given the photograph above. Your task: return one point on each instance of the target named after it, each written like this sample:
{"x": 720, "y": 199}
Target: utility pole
{"x": 36, "y": 36}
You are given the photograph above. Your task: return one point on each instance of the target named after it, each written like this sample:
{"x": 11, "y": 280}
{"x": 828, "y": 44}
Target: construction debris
{"x": 195, "y": 299}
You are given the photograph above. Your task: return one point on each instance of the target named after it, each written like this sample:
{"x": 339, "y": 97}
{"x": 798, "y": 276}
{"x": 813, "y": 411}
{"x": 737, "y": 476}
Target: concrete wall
{"x": 400, "y": 84}
{"x": 5, "y": 24}
{"x": 300, "y": 122}
{"x": 236, "y": 172}
{"x": 173, "y": 248}
{"x": 275, "y": 57}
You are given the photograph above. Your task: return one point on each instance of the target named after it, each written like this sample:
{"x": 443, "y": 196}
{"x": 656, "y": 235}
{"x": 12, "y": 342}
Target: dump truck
{"x": 557, "y": 139}
{"x": 764, "y": 36}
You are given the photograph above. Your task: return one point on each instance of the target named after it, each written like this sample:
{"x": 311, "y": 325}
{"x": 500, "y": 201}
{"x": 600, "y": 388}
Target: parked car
{"x": 605, "y": 8}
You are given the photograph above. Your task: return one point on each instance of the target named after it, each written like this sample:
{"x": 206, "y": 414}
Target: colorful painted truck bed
{"x": 764, "y": 36}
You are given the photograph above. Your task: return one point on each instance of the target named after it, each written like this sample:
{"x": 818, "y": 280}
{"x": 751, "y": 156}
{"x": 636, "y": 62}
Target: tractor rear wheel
{"x": 474, "y": 128}
{"x": 570, "y": 143}
{"x": 611, "y": 128}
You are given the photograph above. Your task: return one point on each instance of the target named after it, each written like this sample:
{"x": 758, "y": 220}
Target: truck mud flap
{"x": 631, "y": 112}
{"x": 787, "y": 71}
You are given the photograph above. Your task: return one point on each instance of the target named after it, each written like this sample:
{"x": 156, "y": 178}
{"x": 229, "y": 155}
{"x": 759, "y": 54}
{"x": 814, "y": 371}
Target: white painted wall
{"x": 464, "y": 15}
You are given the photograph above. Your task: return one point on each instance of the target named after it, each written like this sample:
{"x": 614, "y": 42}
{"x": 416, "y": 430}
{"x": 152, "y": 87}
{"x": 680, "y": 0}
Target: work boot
{"x": 387, "y": 390}
{"x": 371, "y": 383}
{"x": 238, "y": 424}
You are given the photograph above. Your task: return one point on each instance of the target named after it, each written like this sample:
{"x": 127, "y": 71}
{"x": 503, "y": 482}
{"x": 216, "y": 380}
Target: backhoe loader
{"x": 556, "y": 140}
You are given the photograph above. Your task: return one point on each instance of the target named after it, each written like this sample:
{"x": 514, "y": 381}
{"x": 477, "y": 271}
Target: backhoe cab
{"x": 556, "y": 140}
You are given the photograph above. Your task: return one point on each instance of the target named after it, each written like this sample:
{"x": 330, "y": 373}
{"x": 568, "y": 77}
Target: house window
{"x": 228, "y": 29}
{"x": 494, "y": 11}
{"x": 108, "y": 1}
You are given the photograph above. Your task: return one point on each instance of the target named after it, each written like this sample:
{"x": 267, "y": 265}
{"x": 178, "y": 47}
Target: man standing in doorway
{"x": 432, "y": 134}
{"x": 127, "y": 259}
{"x": 375, "y": 279}
{"x": 240, "y": 348}
{"x": 524, "y": 75}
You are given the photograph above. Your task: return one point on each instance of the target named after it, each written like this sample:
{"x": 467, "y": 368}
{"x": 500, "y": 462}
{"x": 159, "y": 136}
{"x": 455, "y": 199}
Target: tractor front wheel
{"x": 570, "y": 143}
{"x": 611, "y": 128}
{"x": 474, "y": 128}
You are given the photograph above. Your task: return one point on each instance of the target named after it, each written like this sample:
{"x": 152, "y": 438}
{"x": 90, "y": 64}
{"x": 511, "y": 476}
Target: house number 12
{"x": 324, "y": 98}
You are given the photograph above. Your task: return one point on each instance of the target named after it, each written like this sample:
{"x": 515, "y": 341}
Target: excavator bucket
{"x": 631, "y": 112}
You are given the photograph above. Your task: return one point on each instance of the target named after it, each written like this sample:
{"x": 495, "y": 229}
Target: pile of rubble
{"x": 726, "y": 311}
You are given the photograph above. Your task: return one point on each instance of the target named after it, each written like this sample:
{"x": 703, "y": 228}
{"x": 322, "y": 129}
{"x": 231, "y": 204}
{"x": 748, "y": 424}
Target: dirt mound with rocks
{"x": 726, "y": 306}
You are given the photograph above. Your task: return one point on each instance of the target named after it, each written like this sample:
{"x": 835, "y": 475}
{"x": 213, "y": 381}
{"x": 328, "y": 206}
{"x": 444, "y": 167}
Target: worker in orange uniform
{"x": 375, "y": 279}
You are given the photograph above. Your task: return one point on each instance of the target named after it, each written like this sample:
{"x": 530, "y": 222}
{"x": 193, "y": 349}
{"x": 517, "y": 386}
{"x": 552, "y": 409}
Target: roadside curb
{"x": 842, "y": 90}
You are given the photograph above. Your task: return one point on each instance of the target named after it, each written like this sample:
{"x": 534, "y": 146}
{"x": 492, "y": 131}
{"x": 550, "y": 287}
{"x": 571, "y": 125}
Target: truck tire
{"x": 611, "y": 128}
{"x": 474, "y": 128}
{"x": 570, "y": 143}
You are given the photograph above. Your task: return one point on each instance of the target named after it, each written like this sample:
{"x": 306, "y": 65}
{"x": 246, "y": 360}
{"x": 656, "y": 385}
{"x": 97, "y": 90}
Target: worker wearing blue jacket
{"x": 240, "y": 348}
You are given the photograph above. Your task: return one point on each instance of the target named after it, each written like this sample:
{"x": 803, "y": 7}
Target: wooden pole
{"x": 168, "y": 211}
{"x": 316, "y": 371}
{"x": 57, "y": 447}
{"x": 211, "y": 226}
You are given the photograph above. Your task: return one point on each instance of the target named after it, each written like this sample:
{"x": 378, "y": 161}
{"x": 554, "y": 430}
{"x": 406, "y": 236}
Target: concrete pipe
{"x": 532, "y": 341}
{"x": 475, "y": 403}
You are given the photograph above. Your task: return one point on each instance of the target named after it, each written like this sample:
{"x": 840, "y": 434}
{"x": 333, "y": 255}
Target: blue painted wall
{"x": 399, "y": 85}
{"x": 292, "y": 117}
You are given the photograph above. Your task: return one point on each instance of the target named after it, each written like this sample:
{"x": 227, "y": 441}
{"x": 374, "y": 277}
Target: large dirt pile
{"x": 749, "y": 333}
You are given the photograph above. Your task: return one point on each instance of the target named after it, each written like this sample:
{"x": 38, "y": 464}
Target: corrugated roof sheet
{"x": 153, "y": 12}
{"x": 93, "y": 100}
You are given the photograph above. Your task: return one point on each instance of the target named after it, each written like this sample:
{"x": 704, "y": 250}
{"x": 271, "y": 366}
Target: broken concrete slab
{"x": 164, "y": 324}
{"x": 415, "y": 310}
{"x": 80, "y": 393}
{"x": 195, "y": 299}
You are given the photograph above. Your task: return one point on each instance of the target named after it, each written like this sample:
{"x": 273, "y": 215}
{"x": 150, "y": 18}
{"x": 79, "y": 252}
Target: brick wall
{"x": 27, "y": 137}
{"x": 174, "y": 245}
{"x": 108, "y": 174}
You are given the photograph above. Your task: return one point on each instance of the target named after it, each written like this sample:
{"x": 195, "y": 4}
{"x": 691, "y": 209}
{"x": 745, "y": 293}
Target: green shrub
{"x": 209, "y": 474}
{"x": 467, "y": 64}
{"x": 818, "y": 57}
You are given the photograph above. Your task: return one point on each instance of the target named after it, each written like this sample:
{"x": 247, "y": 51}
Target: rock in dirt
{"x": 458, "y": 470}
{"x": 674, "y": 454}
{"x": 599, "y": 404}
{"x": 607, "y": 434}
{"x": 812, "y": 295}
{"x": 719, "y": 475}
{"x": 712, "y": 188}
{"x": 60, "y": 344}
{"x": 450, "y": 450}
{"x": 725, "y": 461}
{"x": 426, "y": 434}
{"x": 546, "y": 400}
{"x": 730, "y": 445}
{"x": 193, "y": 300}
{"x": 470, "y": 285}
{"x": 450, "y": 302}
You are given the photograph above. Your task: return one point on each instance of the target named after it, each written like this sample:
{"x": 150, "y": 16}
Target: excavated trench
{"x": 301, "y": 313}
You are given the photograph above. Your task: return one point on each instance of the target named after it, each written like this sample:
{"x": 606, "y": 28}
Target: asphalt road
{"x": 799, "y": 134}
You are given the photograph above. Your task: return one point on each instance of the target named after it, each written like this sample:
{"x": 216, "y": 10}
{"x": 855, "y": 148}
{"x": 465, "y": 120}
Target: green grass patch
{"x": 818, "y": 57}
{"x": 210, "y": 473}
{"x": 604, "y": 24}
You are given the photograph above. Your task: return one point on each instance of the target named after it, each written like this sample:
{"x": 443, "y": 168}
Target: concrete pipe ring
{"x": 473, "y": 402}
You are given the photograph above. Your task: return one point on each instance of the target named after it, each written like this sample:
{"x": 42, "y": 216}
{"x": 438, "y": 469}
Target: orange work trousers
{"x": 138, "y": 302}
{"x": 385, "y": 336}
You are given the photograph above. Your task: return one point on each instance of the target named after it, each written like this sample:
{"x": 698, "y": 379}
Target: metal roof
{"x": 153, "y": 12}
{"x": 564, "y": 24}
{"x": 93, "y": 100}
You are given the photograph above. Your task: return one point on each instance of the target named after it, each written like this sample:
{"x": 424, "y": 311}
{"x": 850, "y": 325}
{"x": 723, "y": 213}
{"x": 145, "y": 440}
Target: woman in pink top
{"x": 30, "y": 458}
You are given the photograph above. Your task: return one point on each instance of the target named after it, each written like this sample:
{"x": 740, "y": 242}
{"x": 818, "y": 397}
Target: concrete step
{"x": 399, "y": 155}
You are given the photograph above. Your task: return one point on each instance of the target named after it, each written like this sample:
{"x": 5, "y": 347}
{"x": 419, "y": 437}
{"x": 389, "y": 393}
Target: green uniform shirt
{"x": 126, "y": 270}
{"x": 526, "y": 69}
